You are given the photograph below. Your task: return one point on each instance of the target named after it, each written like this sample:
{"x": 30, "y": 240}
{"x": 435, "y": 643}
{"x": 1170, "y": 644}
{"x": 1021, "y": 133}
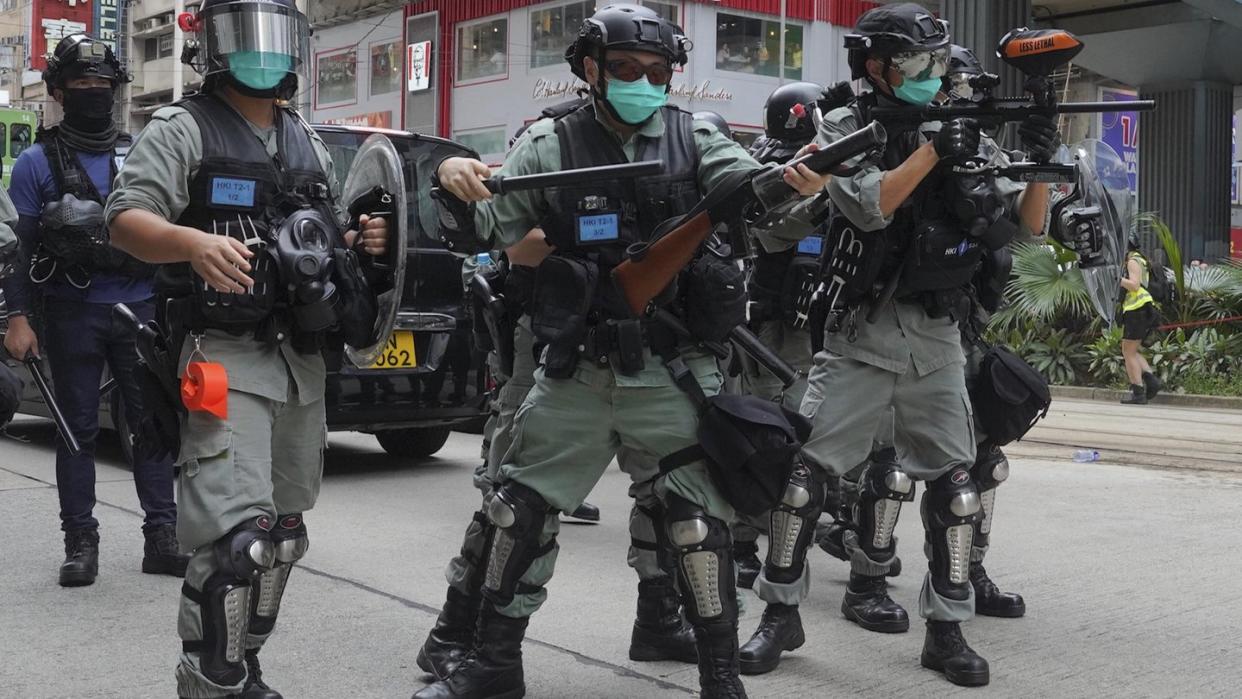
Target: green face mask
{"x": 260, "y": 70}
{"x": 918, "y": 92}
{"x": 635, "y": 102}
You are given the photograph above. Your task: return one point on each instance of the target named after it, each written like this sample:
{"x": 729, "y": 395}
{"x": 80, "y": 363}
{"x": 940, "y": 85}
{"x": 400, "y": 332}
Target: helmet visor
{"x": 922, "y": 65}
{"x": 251, "y": 29}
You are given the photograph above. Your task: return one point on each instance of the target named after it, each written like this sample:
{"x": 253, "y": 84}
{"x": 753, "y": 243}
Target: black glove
{"x": 1080, "y": 230}
{"x": 1039, "y": 136}
{"x": 958, "y": 139}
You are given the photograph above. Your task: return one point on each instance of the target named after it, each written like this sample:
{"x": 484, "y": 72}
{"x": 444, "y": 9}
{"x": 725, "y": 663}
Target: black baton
{"x": 746, "y": 340}
{"x": 62, "y": 426}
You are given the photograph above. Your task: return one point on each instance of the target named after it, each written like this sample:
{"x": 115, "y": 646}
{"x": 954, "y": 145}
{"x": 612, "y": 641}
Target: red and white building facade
{"x": 477, "y": 70}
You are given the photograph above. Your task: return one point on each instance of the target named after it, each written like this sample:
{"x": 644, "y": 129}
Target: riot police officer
{"x": 212, "y": 193}
{"x": 59, "y": 186}
{"x": 614, "y": 392}
{"x": 893, "y": 343}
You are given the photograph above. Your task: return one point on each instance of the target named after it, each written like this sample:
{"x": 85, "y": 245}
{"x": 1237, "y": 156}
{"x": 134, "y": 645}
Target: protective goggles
{"x": 628, "y": 70}
{"x": 921, "y": 65}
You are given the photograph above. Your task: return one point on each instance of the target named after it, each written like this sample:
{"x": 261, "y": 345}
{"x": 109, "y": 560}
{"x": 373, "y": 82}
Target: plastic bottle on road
{"x": 1085, "y": 456}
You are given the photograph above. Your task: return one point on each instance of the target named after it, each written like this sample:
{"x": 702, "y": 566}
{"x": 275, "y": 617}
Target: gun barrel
{"x": 62, "y": 426}
{"x": 769, "y": 185}
{"x": 1003, "y": 108}
{"x": 501, "y": 184}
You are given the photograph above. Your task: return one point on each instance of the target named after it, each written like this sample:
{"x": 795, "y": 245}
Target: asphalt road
{"x": 1130, "y": 577}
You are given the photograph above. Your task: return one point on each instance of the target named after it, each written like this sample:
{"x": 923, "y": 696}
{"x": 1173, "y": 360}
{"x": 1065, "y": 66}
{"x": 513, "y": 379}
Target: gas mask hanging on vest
{"x": 303, "y": 255}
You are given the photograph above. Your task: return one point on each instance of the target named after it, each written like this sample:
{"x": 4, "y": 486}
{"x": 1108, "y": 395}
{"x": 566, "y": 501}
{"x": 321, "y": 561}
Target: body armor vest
{"x": 597, "y": 221}
{"x": 924, "y": 244}
{"x": 72, "y": 233}
{"x": 242, "y": 191}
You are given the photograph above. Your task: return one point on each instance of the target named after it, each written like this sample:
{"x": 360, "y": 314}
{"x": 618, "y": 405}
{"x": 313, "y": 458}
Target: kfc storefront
{"x": 477, "y": 70}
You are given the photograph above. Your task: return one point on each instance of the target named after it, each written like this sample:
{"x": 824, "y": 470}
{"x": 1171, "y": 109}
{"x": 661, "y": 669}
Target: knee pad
{"x": 515, "y": 515}
{"x": 882, "y": 490}
{"x": 704, "y": 551}
{"x": 792, "y": 524}
{"x": 243, "y": 554}
{"x": 950, "y": 510}
{"x": 990, "y": 470}
{"x": 290, "y": 543}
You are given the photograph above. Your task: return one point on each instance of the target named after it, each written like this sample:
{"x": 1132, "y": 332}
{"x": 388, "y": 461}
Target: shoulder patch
{"x": 169, "y": 113}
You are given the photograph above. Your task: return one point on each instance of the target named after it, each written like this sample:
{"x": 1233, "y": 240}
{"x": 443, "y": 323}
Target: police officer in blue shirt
{"x": 58, "y": 187}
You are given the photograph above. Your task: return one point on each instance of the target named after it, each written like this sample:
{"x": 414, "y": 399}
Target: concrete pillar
{"x": 1184, "y": 163}
{"x": 979, "y": 26}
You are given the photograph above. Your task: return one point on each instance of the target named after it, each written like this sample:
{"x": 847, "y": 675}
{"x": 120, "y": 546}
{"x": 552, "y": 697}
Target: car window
{"x": 420, "y": 158}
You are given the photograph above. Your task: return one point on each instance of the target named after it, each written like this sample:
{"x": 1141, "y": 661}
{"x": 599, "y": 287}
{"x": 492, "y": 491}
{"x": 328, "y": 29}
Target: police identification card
{"x": 598, "y": 228}
{"x": 233, "y": 191}
{"x": 811, "y": 245}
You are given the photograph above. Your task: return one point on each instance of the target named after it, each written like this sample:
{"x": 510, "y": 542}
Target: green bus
{"x": 17, "y": 133}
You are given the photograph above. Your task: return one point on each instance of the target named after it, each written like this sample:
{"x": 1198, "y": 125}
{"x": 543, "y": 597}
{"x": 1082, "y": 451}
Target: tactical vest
{"x": 81, "y": 247}
{"x": 925, "y": 245}
{"x": 597, "y": 221}
{"x": 241, "y": 191}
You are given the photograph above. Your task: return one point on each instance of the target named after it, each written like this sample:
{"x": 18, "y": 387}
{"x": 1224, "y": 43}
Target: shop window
{"x": 553, "y": 29}
{"x": 19, "y": 140}
{"x": 486, "y": 142}
{"x": 336, "y": 77}
{"x": 750, "y": 45}
{"x": 482, "y": 50}
{"x": 665, "y": 8}
{"x": 386, "y": 68}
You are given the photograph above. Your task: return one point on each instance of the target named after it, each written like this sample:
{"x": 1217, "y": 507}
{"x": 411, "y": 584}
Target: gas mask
{"x": 303, "y": 249}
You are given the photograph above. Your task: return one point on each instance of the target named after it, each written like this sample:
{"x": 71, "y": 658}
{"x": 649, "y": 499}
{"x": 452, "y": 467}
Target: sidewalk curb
{"x": 1184, "y": 400}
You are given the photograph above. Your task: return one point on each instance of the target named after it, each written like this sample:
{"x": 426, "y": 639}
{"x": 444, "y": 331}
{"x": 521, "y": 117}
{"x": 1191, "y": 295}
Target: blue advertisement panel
{"x": 1121, "y": 130}
{"x": 106, "y": 22}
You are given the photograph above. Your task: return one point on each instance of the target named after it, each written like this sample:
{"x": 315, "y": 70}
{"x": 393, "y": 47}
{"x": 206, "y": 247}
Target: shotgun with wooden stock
{"x": 651, "y": 267}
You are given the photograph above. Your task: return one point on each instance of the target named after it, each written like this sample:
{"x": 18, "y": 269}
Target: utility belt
{"x": 184, "y": 316}
{"x": 619, "y": 343}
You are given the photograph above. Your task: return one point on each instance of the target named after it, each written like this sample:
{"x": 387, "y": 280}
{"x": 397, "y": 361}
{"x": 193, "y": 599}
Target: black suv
{"x": 429, "y": 380}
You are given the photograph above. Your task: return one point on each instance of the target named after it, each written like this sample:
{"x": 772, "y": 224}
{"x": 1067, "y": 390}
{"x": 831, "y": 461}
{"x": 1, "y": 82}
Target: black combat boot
{"x": 746, "y": 558}
{"x": 493, "y": 670}
{"x": 586, "y": 512}
{"x": 1152, "y": 384}
{"x": 660, "y": 631}
{"x": 453, "y": 635}
{"x": 1138, "y": 395}
{"x": 867, "y": 604}
{"x": 718, "y": 665}
{"x": 81, "y": 558}
{"x": 161, "y": 555}
{"x": 255, "y": 687}
{"x": 944, "y": 650}
{"x": 989, "y": 600}
{"x": 779, "y": 630}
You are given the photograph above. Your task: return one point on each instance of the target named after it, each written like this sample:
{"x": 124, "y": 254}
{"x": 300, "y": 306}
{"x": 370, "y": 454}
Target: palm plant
{"x": 1044, "y": 287}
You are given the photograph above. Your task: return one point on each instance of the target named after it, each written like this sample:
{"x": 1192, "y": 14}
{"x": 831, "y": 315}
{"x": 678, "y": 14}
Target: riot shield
{"x": 1103, "y": 185}
{"x": 376, "y": 177}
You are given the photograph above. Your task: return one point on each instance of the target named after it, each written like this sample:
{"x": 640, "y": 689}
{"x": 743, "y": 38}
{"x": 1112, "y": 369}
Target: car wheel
{"x": 121, "y": 423}
{"x": 417, "y": 442}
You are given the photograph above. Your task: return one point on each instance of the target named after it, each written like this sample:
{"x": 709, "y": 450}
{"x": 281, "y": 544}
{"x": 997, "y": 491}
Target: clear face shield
{"x": 258, "y": 43}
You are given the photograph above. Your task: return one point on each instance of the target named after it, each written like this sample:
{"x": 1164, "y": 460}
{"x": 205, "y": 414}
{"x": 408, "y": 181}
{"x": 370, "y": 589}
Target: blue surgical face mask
{"x": 918, "y": 92}
{"x": 260, "y": 70}
{"x": 635, "y": 102}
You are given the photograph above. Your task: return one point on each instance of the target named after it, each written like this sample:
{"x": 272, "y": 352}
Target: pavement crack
{"x": 582, "y": 658}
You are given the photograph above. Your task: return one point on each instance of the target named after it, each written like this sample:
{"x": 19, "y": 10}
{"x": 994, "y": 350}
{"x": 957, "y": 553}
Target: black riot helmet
{"x": 892, "y": 30}
{"x": 715, "y": 120}
{"x": 966, "y": 80}
{"x": 257, "y": 46}
{"x": 792, "y": 112}
{"x": 627, "y": 27}
{"x": 80, "y": 56}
